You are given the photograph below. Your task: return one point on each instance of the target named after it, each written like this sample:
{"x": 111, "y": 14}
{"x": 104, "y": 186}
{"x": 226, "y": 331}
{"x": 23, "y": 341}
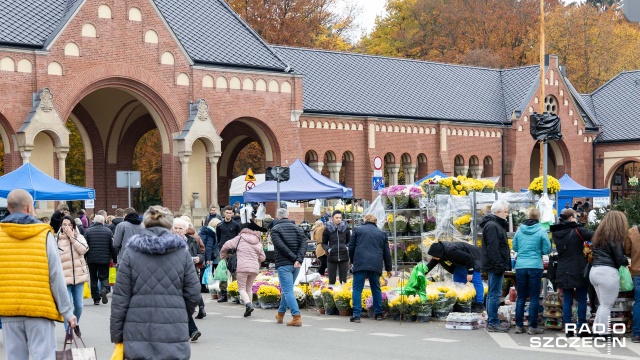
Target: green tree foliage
{"x": 75, "y": 162}
{"x": 147, "y": 158}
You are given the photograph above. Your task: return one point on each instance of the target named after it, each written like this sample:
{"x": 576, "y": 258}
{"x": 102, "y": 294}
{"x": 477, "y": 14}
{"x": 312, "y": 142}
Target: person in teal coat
{"x": 530, "y": 242}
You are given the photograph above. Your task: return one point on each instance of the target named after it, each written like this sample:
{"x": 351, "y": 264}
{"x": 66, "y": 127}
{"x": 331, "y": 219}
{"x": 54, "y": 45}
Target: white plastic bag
{"x": 261, "y": 212}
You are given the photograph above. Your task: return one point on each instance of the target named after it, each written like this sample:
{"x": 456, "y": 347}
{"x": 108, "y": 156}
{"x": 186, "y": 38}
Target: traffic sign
{"x": 377, "y": 183}
{"x": 377, "y": 173}
{"x": 250, "y": 185}
{"x": 377, "y": 163}
{"x": 250, "y": 176}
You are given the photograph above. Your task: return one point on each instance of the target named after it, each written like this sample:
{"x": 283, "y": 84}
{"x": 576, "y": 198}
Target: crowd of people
{"x": 160, "y": 260}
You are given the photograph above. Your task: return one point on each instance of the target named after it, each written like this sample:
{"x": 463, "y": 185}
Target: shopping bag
{"x": 112, "y": 275}
{"x": 221, "y": 271}
{"x": 87, "y": 291}
{"x": 77, "y": 353}
{"x": 205, "y": 276}
{"x": 118, "y": 352}
{"x": 626, "y": 283}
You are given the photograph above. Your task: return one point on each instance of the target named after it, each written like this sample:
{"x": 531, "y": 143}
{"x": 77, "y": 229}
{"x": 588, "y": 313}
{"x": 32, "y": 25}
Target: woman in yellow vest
{"x": 72, "y": 247}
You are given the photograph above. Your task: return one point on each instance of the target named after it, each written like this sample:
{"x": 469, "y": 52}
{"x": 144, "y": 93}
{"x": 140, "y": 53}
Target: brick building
{"x": 210, "y": 85}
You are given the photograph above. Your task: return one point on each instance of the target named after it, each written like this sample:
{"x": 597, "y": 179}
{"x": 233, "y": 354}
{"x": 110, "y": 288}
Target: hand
{"x": 73, "y": 321}
{"x": 209, "y": 262}
{"x": 296, "y": 264}
{"x": 469, "y": 278}
{"x": 389, "y": 274}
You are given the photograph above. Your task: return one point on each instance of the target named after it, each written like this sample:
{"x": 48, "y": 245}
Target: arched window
{"x": 620, "y": 187}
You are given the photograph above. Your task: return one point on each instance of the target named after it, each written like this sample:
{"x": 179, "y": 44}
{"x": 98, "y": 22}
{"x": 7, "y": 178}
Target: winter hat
{"x": 437, "y": 250}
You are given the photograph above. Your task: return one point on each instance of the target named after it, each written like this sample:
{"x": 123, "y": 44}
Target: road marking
{"x": 386, "y": 334}
{"x": 338, "y": 329}
{"x": 263, "y": 320}
{"x": 319, "y": 318}
{"x": 213, "y": 313}
{"x": 234, "y": 317}
{"x": 440, "y": 340}
{"x": 504, "y": 340}
{"x": 634, "y": 347}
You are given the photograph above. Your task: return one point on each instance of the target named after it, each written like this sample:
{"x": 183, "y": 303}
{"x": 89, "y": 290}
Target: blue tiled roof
{"x": 349, "y": 83}
{"x": 617, "y": 105}
{"x": 32, "y": 22}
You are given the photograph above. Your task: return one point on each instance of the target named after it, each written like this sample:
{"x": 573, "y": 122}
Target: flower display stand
{"x": 552, "y": 314}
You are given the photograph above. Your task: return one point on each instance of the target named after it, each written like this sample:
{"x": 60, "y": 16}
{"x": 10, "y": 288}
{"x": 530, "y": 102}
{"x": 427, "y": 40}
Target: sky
{"x": 372, "y": 8}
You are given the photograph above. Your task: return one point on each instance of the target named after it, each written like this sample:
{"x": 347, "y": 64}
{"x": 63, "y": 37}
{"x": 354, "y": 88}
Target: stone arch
{"x": 135, "y": 14}
{"x": 207, "y": 81}
{"x": 247, "y": 84}
{"x": 330, "y": 156}
{"x": 390, "y": 169}
{"x": 312, "y": 124}
{"x": 310, "y": 155}
{"x": 383, "y": 128}
{"x": 559, "y": 159}
{"x": 340, "y": 126}
{"x": 182, "y": 79}
{"x": 7, "y": 64}
{"x": 221, "y": 82}
{"x": 54, "y": 68}
{"x": 347, "y": 173}
{"x": 285, "y": 87}
{"x": 104, "y": 12}
{"x": 403, "y": 129}
{"x": 88, "y": 30}
{"x": 234, "y": 83}
{"x": 332, "y": 126}
{"x": 151, "y": 37}
{"x": 475, "y": 167}
{"x": 273, "y": 86}
{"x": 24, "y": 66}
{"x": 423, "y": 169}
{"x": 487, "y": 169}
{"x": 619, "y": 184}
{"x": 261, "y": 85}
{"x": 459, "y": 167}
{"x": 167, "y": 58}
{"x": 71, "y": 49}
{"x": 325, "y": 125}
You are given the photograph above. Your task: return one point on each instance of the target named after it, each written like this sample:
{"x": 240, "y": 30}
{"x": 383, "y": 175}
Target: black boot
{"x": 201, "y": 312}
{"x": 223, "y": 297}
{"x": 249, "y": 309}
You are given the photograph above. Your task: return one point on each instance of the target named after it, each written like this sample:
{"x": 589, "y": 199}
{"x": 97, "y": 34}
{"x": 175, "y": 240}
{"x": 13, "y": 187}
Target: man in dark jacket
{"x": 213, "y": 214}
{"x": 117, "y": 220}
{"x": 368, "y": 249}
{"x": 496, "y": 259}
{"x": 56, "y": 218}
{"x": 569, "y": 238}
{"x": 100, "y": 254}
{"x": 289, "y": 244}
{"x": 125, "y": 230}
{"x": 464, "y": 261}
{"x": 226, "y": 230}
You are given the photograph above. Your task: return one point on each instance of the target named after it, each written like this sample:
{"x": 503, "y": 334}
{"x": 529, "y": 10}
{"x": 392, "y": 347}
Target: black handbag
{"x": 232, "y": 261}
{"x": 552, "y": 269}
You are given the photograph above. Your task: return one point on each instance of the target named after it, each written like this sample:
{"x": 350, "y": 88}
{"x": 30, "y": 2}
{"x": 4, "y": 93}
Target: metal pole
{"x": 129, "y": 186}
{"x": 544, "y": 167}
{"x": 278, "y": 186}
{"x": 541, "y": 100}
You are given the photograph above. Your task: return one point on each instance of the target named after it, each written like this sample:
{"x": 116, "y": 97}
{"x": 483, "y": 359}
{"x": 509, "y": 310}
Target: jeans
{"x": 460, "y": 276}
{"x": 287, "y": 275}
{"x": 493, "y": 296}
{"x": 358, "y": 284}
{"x": 636, "y": 306}
{"x": 567, "y": 302}
{"x": 529, "y": 282}
{"x": 76, "y": 293}
{"x": 606, "y": 281}
{"x": 99, "y": 274}
{"x": 192, "y": 325}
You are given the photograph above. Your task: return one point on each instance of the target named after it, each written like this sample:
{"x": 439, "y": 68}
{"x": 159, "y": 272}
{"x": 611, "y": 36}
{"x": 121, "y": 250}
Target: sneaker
{"x": 355, "y": 319}
{"x": 535, "y": 331}
{"x": 498, "y": 328}
{"x": 103, "y": 295}
{"x": 96, "y": 302}
{"x": 519, "y": 330}
{"x": 248, "y": 310}
{"x": 195, "y": 335}
{"x": 635, "y": 339}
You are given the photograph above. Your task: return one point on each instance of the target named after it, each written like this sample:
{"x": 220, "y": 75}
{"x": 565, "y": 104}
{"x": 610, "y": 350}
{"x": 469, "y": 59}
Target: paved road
{"x": 226, "y": 334}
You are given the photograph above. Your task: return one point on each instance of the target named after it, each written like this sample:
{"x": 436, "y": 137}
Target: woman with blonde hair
{"x": 608, "y": 257}
{"x": 321, "y": 254}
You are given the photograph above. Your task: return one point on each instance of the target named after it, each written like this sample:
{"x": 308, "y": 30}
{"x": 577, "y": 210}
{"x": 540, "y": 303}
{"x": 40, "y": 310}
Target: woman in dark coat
{"x": 569, "y": 238}
{"x": 335, "y": 238}
{"x": 148, "y": 317}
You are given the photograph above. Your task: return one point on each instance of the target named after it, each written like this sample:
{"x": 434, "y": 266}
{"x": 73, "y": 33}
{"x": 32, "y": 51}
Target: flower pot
{"x": 269, "y": 303}
{"x": 331, "y": 311}
{"x": 396, "y": 317}
{"x": 321, "y": 311}
{"x": 466, "y": 308}
{"x": 423, "y": 318}
{"x": 215, "y": 297}
{"x": 441, "y": 314}
{"x": 345, "y": 312}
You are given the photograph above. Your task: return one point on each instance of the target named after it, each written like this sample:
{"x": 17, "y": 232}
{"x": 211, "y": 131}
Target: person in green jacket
{"x": 531, "y": 241}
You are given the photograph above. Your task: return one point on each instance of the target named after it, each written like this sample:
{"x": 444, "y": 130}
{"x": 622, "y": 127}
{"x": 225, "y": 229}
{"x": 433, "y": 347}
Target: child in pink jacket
{"x": 249, "y": 255}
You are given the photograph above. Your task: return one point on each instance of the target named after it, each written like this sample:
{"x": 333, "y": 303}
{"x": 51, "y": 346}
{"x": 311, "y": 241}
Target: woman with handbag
{"x": 608, "y": 257}
{"x": 249, "y": 255}
{"x": 569, "y": 238}
{"x": 72, "y": 247}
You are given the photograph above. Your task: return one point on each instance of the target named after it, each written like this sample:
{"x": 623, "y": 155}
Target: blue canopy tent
{"x": 42, "y": 186}
{"x": 304, "y": 184}
{"x": 570, "y": 189}
{"x": 435, "y": 173}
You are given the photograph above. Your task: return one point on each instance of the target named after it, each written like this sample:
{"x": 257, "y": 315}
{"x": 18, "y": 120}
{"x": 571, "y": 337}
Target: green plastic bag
{"x": 626, "y": 283}
{"x": 417, "y": 283}
{"x": 221, "y": 271}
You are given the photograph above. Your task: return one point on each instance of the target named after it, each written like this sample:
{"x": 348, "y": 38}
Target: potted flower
{"x": 397, "y": 250}
{"x": 232, "y": 289}
{"x": 329, "y": 303}
{"x": 401, "y": 225}
{"x": 465, "y": 297}
{"x": 413, "y": 253}
{"x": 317, "y": 298}
{"x": 537, "y": 186}
{"x": 301, "y": 297}
{"x": 518, "y": 217}
{"x": 254, "y": 289}
{"x": 342, "y": 299}
{"x": 415, "y": 193}
{"x": 429, "y": 223}
{"x": 444, "y": 304}
{"x": 268, "y": 296}
{"x": 415, "y": 226}
{"x": 463, "y": 224}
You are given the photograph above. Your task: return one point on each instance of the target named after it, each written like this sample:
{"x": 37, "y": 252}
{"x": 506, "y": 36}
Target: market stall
{"x": 42, "y": 186}
{"x": 570, "y": 189}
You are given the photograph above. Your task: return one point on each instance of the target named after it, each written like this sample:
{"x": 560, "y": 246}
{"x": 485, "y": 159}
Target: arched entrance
{"x": 558, "y": 160}
{"x": 122, "y": 129}
{"x": 237, "y": 136}
{"x": 619, "y": 185}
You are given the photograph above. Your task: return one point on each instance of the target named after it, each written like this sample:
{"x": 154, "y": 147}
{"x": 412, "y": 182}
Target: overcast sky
{"x": 372, "y": 8}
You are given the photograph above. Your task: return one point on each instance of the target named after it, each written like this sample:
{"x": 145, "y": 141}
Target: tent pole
{"x": 278, "y": 187}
